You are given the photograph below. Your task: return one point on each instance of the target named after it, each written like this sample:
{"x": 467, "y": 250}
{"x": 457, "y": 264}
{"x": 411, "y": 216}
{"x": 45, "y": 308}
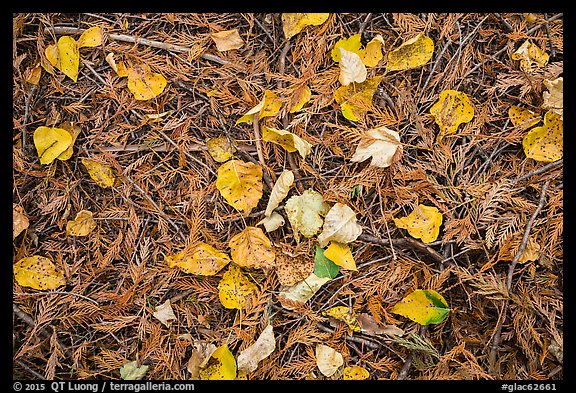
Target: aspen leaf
{"x": 372, "y": 55}
{"x": 74, "y": 130}
{"x": 452, "y": 109}
{"x": 554, "y": 97}
{"x": 304, "y": 212}
{"x": 143, "y": 83}
{"x": 290, "y": 270}
{"x": 413, "y": 53}
{"x": 289, "y": 141}
{"x": 101, "y": 174}
{"x": 356, "y": 98}
{"x": 252, "y": 248}
{"x": 269, "y": 106}
{"x": 341, "y": 255}
{"x": 235, "y": 289}
{"x": 91, "y": 37}
{"x": 300, "y": 97}
{"x": 279, "y": 191}
{"x": 65, "y": 56}
{"x": 132, "y": 372}
{"x": 82, "y": 224}
{"x": 324, "y": 267}
{"x": 19, "y": 220}
{"x": 120, "y": 68}
{"x": 545, "y": 143}
{"x": 38, "y": 272}
{"x": 302, "y": 291}
{"x": 351, "y": 44}
{"x": 522, "y": 117}
{"x": 356, "y": 373}
{"x": 272, "y": 222}
{"x": 227, "y": 40}
{"x": 249, "y": 358}
{"x": 200, "y": 356}
{"x": 50, "y": 142}
{"x": 423, "y": 223}
{"x": 344, "y": 314}
{"x": 339, "y": 226}
{"x": 34, "y": 75}
{"x": 202, "y": 260}
{"x": 351, "y": 68}
{"x": 328, "y": 359}
{"x": 221, "y": 365}
{"x": 293, "y": 23}
{"x": 381, "y": 144}
{"x": 220, "y": 148}
{"x": 531, "y": 57}
{"x": 164, "y": 313}
{"x": 424, "y": 306}
{"x": 240, "y": 184}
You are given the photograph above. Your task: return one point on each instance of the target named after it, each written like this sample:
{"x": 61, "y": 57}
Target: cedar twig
{"x": 358, "y": 340}
{"x": 538, "y": 171}
{"x": 27, "y": 114}
{"x": 407, "y": 243}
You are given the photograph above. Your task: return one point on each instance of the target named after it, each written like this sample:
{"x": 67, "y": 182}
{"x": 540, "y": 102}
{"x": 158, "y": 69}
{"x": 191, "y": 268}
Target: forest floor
{"x": 497, "y": 260}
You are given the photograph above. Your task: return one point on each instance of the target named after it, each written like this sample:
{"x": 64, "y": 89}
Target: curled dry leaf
{"x": 289, "y": 141}
{"x": 554, "y": 97}
{"x": 200, "y": 356}
{"x": 302, "y": 291}
{"x": 65, "y": 56}
{"x": 290, "y": 270}
{"x": 423, "y": 223}
{"x": 272, "y": 222}
{"x": 38, "y": 272}
{"x": 356, "y": 98}
{"x": 100, "y": 173}
{"x": 339, "y": 226}
{"x": 293, "y": 23}
{"x": 269, "y": 106}
{"x": 203, "y": 260}
{"x": 545, "y": 143}
{"x": 240, "y": 184}
{"x": 381, "y": 144}
{"x": 413, "y": 53}
{"x": 120, "y": 68}
{"x": 164, "y": 313}
{"x": 252, "y": 248}
{"x": 235, "y": 289}
{"x": 51, "y": 142}
{"x": 304, "y": 213}
{"x": 531, "y": 57}
{"x": 279, "y": 191}
{"x": 351, "y": 68}
{"x": 82, "y": 224}
{"x": 249, "y": 358}
{"x": 19, "y": 220}
{"x": 452, "y": 109}
{"x": 423, "y": 306}
{"x": 328, "y": 359}
{"x": 227, "y": 40}
{"x": 531, "y": 252}
{"x": 370, "y": 326}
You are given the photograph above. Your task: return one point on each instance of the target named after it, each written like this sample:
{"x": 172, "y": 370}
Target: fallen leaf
{"x": 290, "y": 270}
{"x": 522, "y": 117}
{"x": 356, "y": 98}
{"x": 344, "y": 314}
{"x": 324, "y": 267}
{"x": 423, "y": 223}
{"x": 235, "y": 289}
{"x": 227, "y": 40}
{"x": 369, "y": 325}
{"x": 34, "y": 75}
{"x": 252, "y": 248}
{"x": 220, "y": 366}
{"x": 19, "y": 220}
{"x": 220, "y": 148}
{"x": 381, "y": 144}
{"x": 372, "y": 55}
{"x": 299, "y": 98}
{"x": 269, "y": 106}
{"x": 545, "y": 143}
{"x": 82, "y": 224}
{"x": 341, "y": 255}
{"x": 531, "y": 57}
{"x": 452, "y": 109}
{"x": 328, "y": 359}
{"x": 101, "y": 174}
{"x": 554, "y": 97}
{"x": 413, "y": 53}
{"x": 423, "y": 306}
{"x": 279, "y": 191}
{"x": 351, "y": 44}
{"x": 289, "y": 141}
{"x": 200, "y": 356}
{"x": 65, "y": 56}
{"x": 143, "y": 83}
{"x": 120, "y": 68}
{"x": 531, "y": 252}
{"x": 38, "y": 272}
{"x": 74, "y": 130}
{"x": 339, "y": 225}
{"x": 91, "y": 37}
{"x": 302, "y": 291}
{"x": 272, "y": 222}
{"x": 203, "y": 260}
{"x": 351, "y": 68}
{"x": 293, "y": 23}
{"x": 304, "y": 213}
{"x": 240, "y": 184}
{"x": 249, "y": 358}
{"x": 50, "y": 142}
{"x": 132, "y": 372}
{"x": 164, "y": 313}
{"x": 355, "y": 373}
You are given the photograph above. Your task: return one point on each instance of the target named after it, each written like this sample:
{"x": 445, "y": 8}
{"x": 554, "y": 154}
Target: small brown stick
{"x": 26, "y": 114}
{"x": 538, "y": 171}
{"x": 364, "y": 24}
{"x": 552, "y": 50}
{"x": 403, "y": 243}
{"x": 36, "y": 375}
{"x": 358, "y": 340}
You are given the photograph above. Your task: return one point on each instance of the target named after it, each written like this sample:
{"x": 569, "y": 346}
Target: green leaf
{"x": 132, "y": 372}
{"x": 424, "y": 306}
{"x": 324, "y": 267}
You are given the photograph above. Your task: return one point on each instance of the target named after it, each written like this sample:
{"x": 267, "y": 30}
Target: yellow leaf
{"x": 344, "y": 314}
{"x": 304, "y": 213}
{"x": 293, "y": 23}
{"x": 423, "y": 306}
{"x": 82, "y": 224}
{"x": 301, "y": 96}
{"x": 554, "y": 97}
{"x": 531, "y": 57}
{"x": 339, "y": 226}
{"x": 355, "y": 373}
{"x": 289, "y": 141}
{"x": 101, "y": 174}
{"x": 240, "y": 184}
{"x": 220, "y": 148}
{"x": 38, "y": 272}
{"x": 74, "y": 130}
{"x": 91, "y": 37}
{"x": 19, "y": 220}
{"x": 143, "y": 83}
{"x": 120, "y": 67}
{"x": 413, "y": 53}
{"x": 351, "y": 68}
{"x": 356, "y": 98}
{"x": 227, "y": 40}
{"x": 545, "y": 143}
{"x": 351, "y": 44}
{"x": 423, "y": 223}
{"x": 341, "y": 255}
{"x": 34, "y": 75}
{"x": 235, "y": 289}
{"x": 302, "y": 291}
{"x": 328, "y": 359}
{"x": 221, "y": 365}
{"x": 269, "y": 106}
{"x": 522, "y": 117}
{"x": 531, "y": 252}
{"x": 249, "y": 358}
{"x": 202, "y": 260}
{"x": 452, "y": 109}
{"x": 252, "y": 248}
{"x": 373, "y": 52}
{"x": 164, "y": 313}
{"x": 381, "y": 144}
{"x": 279, "y": 191}
{"x": 50, "y": 142}
{"x": 65, "y": 56}
{"x": 272, "y": 222}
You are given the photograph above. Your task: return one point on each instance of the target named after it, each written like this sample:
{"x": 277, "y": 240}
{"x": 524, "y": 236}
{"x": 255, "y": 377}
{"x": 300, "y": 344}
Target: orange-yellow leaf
{"x": 252, "y": 248}
{"x": 413, "y": 53}
{"x": 50, "y": 142}
{"x": 101, "y": 174}
{"x": 355, "y": 373}
{"x": 120, "y": 68}
{"x": 545, "y": 143}
{"x": 293, "y": 23}
{"x": 240, "y": 184}
{"x": 91, "y": 37}
{"x": 301, "y": 96}
{"x": 351, "y": 68}
{"x": 452, "y": 109}
{"x": 143, "y": 83}
{"x": 289, "y": 141}
{"x": 531, "y": 57}
{"x": 423, "y": 223}
{"x": 19, "y": 220}
{"x": 341, "y": 255}
{"x": 522, "y": 117}
{"x": 344, "y": 314}
{"x": 235, "y": 289}
{"x": 82, "y": 224}
{"x": 220, "y": 366}
{"x": 202, "y": 260}
{"x": 554, "y": 97}
{"x": 356, "y": 98}
{"x": 531, "y": 252}
{"x": 220, "y": 148}
{"x": 34, "y": 75}
{"x": 227, "y": 40}
{"x": 372, "y": 55}
{"x": 65, "y": 56}
{"x": 38, "y": 272}
{"x": 269, "y": 106}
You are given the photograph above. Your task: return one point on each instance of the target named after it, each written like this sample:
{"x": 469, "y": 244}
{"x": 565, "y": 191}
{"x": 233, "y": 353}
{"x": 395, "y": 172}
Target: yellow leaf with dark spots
{"x": 50, "y": 142}
{"x": 372, "y": 55}
{"x": 240, "y": 184}
{"x": 220, "y": 366}
{"x": 252, "y": 248}
{"x": 143, "y": 83}
{"x": 82, "y": 224}
{"x": 91, "y": 37}
{"x": 423, "y": 223}
{"x": 531, "y": 57}
{"x": 423, "y": 306}
{"x": 203, "y": 260}
{"x": 235, "y": 289}
{"x": 220, "y": 148}
{"x": 452, "y": 109}
{"x": 522, "y": 117}
{"x": 355, "y": 373}
{"x": 293, "y": 23}
{"x": 545, "y": 143}
{"x": 65, "y": 56}
{"x": 413, "y": 53}
{"x": 101, "y": 174}
{"x": 38, "y": 272}
{"x": 344, "y": 314}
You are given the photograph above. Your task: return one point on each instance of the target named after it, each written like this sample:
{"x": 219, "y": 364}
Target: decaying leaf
{"x": 356, "y": 98}
{"x": 200, "y": 356}
{"x": 101, "y": 174}
{"x": 203, "y": 260}
{"x": 51, "y": 142}
{"x": 344, "y": 314}
{"x": 341, "y": 255}
{"x": 355, "y": 373}
{"x": 279, "y": 191}
{"x": 370, "y": 326}
{"x": 554, "y": 97}
{"x": 300, "y": 97}
{"x": 34, "y": 75}
{"x": 220, "y": 148}
{"x": 302, "y": 291}
{"x": 423, "y": 223}
{"x": 227, "y": 40}
{"x": 293, "y": 23}
{"x": 235, "y": 289}
{"x": 452, "y": 109}
{"x": 522, "y": 117}
{"x": 304, "y": 212}
{"x": 373, "y": 52}
{"x": 531, "y": 57}
{"x": 19, "y": 220}
{"x": 328, "y": 359}
{"x": 324, "y": 267}
{"x": 240, "y": 184}
{"x": 120, "y": 68}
{"x": 290, "y": 270}
{"x": 424, "y": 306}
{"x": 272, "y": 222}
{"x": 164, "y": 313}
{"x": 351, "y": 68}
{"x": 265, "y": 344}
{"x": 269, "y": 106}
{"x": 381, "y": 144}
{"x": 82, "y": 224}
{"x": 252, "y": 248}
{"x": 132, "y": 372}
{"x": 65, "y": 56}
{"x": 531, "y": 252}
{"x": 289, "y": 141}
{"x": 143, "y": 83}
{"x": 38, "y": 272}
{"x": 220, "y": 366}
{"x": 339, "y": 226}
{"x": 545, "y": 143}
{"x": 413, "y": 53}
{"x": 90, "y": 37}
